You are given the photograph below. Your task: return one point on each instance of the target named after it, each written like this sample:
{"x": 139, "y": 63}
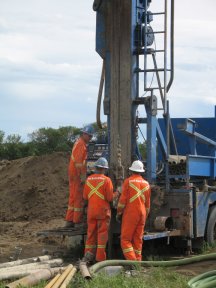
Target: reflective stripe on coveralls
{"x": 77, "y": 164}
{"x": 76, "y": 171}
{"x": 120, "y": 205}
{"x": 139, "y": 192}
{"x": 95, "y": 190}
{"x": 98, "y": 191}
{"x": 128, "y": 249}
{"x": 90, "y": 246}
{"x": 134, "y": 200}
{"x": 78, "y": 209}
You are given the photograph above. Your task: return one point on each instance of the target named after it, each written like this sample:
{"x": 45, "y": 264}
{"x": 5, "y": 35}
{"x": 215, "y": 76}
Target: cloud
{"x": 50, "y": 72}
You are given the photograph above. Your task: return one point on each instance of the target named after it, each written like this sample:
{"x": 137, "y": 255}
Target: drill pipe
{"x": 53, "y": 281}
{"x": 68, "y": 278}
{"x": 34, "y": 278}
{"x": 61, "y": 279}
{"x": 84, "y": 270}
{"x": 23, "y": 270}
{"x": 25, "y": 261}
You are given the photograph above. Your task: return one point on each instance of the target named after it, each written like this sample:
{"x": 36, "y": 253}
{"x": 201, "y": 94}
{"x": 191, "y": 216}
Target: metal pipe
{"x": 22, "y": 273}
{"x": 162, "y": 223}
{"x": 158, "y": 80}
{"x": 25, "y": 261}
{"x": 171, "y": 46}
{"x": 23, "y": 270}
{"x": 33, "y": 278}
{"x": 84, "y": 270}
{"x": 53, "y": 281}
{"x": 51, "y": 263}
{"x": 68, "y": 278}
{"x": 61, "y": 279}
{"x": 100, "y": 95}
{"x": 165, "y": 58}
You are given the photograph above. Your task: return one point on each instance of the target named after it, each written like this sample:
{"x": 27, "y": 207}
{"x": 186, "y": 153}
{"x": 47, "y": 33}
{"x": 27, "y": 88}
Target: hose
{"x": 205, "y": 280}
{"x": 100, "y": 95}
{"x": 98, "y": 266}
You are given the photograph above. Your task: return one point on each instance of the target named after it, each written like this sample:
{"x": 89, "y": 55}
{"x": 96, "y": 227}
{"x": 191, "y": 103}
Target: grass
{"x": 157, "y": 278}
{"x": 154, "y": 278}
{"x": 208, "y": 248}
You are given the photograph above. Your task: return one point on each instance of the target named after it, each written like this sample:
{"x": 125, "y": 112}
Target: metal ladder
{"x": 163, "y": 85}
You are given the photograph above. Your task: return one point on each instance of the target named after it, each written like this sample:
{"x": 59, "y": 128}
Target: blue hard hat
{"x": 89, "y": 129}
{"x": 102, "y": 163}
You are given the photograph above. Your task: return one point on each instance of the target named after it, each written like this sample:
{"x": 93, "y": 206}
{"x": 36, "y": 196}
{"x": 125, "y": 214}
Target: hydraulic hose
{"x": 100, "y": 95}
{"x": 98, "y": 266}
{"x": 205, "y": 280}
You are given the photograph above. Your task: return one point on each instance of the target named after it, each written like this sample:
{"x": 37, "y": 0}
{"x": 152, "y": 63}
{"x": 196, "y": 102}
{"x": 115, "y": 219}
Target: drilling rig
{"x": 135, "y": 39}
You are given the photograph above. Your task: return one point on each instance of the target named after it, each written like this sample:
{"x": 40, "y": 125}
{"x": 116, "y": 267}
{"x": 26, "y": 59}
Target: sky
{"x": 50, "y": 72}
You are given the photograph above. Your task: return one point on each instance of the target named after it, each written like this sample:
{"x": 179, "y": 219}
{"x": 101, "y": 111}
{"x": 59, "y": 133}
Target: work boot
{"x": 69, "y": 224}
{"x": 88, "y": 258}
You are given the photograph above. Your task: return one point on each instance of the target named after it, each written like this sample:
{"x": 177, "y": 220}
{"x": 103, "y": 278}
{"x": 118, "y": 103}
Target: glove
{"x": 118, "y": 218}
{"x": 82, "y": 178}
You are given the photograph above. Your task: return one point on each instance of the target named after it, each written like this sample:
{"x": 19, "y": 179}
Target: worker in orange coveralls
{"x": 98, "y": 191}
{"x": 133, "y": 207}
{"x": 77, "y": 176}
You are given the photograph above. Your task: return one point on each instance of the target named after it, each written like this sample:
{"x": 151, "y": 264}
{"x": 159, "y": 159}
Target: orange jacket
{"x": 98, "y": 190}
{"x": 135, "y": 196}
{"x": 77, "y": 166}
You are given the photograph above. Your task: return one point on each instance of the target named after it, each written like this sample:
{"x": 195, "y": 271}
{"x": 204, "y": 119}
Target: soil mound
{"x": 34, "y": 187}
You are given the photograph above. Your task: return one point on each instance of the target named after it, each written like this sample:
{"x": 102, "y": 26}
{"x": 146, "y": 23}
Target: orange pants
{"x": 97, "y": 237}
{"x": 132, "y": 231}
{"x": 76, "y": 202}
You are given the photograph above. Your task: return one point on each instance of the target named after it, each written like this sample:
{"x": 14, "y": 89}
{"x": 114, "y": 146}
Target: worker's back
{"x": 98, "y": 191}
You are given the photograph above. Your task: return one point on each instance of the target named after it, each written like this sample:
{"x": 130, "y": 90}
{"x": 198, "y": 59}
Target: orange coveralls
{"x": 98, "y": 191}
{"x": 76, "y": 172}
{"x": 133, "y": 203}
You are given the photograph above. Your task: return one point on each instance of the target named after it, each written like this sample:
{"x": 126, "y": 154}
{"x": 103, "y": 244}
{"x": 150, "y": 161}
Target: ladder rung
{"x": 153, "y": 88}
{"x": 152, "y": 13}
{"x": 147, "y": 52}
{"x": 156, "y": 32}
{"x": 140, "y": 100}
{"x": 158, "y": 13}
{"x": 151, "y": 70}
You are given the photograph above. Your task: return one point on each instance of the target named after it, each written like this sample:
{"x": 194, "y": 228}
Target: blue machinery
{"x": 138, "y": 64}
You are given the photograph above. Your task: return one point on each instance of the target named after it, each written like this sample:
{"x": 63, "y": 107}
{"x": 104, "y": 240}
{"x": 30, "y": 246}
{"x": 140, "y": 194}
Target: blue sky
{"x": 49, "y": 70}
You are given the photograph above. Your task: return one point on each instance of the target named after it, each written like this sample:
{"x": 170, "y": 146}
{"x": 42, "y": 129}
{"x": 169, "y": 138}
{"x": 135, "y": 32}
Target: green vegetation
{"x": 40, "y": 142}
{"x": 48, "y": 140}
{"x": 157, "y": 278}
{"x": 207, "y": 248}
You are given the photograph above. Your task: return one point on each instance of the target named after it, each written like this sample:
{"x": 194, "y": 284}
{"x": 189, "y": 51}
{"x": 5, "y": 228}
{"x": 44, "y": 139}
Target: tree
{"x": 12, "y": 147}
{"x": 48, "y": 140}
{"x": 1, "y": 144}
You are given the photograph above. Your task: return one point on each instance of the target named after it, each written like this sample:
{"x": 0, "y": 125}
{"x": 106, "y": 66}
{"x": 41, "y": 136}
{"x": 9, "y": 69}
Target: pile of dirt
{"x": 33, "y": 198}
{"x": 34, "y": 188}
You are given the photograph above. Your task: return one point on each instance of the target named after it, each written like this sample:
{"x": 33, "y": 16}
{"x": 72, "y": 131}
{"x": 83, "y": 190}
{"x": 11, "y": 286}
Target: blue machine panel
{"x": 204, "y": 126}
{"x": 201, "y": 166}
{"x": 203, "y": 200}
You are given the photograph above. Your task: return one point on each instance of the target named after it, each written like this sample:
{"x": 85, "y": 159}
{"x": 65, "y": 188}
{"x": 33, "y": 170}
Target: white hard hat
{"x": 102, "y": 163}
{"x": 137, "y": 166}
